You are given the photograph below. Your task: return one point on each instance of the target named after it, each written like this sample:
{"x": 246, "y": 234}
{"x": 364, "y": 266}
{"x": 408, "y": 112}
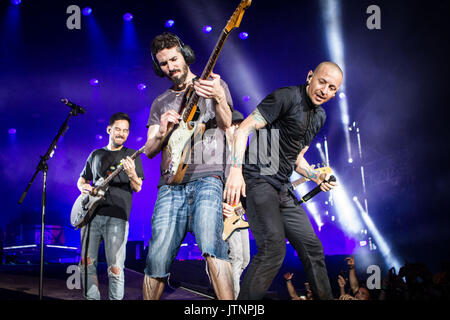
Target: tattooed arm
{"x": 235, "y": 185}
{"x": 302, "y": 167}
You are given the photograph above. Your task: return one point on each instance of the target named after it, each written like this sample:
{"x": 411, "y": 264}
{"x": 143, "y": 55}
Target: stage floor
{"x": 21, "y": 282}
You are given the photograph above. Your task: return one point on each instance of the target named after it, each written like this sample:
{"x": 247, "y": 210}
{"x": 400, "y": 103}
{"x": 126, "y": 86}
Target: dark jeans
{"x": 273, "y": 216}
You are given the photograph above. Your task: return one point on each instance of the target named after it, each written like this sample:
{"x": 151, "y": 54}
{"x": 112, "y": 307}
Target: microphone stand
{"x": 43, "y": 166}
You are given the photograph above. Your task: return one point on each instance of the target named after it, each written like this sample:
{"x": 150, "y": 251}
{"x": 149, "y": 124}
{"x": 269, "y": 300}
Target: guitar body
{"x": 233, "y": 223}
{"x": 83, "y": 209}
{"x": 175, "y": 155}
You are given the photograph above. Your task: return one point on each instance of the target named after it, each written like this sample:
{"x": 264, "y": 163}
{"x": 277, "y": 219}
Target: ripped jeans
{"x": 196, "y": 207}
{"x": 114, "y": 233}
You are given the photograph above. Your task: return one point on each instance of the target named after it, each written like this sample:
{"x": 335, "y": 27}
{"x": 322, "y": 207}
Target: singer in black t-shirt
{"x": 287, "y": 119}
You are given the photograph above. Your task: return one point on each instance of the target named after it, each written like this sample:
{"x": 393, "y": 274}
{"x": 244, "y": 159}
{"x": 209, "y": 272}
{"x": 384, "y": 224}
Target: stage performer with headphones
{"x": 291, "y": 117}
{"x": 194, "y": 205}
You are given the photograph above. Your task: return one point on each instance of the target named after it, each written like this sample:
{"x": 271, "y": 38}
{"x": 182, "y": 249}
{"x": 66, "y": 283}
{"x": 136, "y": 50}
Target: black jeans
{"x": 274, "y": 216}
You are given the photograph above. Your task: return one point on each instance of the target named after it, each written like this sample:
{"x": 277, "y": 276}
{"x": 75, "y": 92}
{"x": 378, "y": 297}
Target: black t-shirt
{"x": 296, "y": 121}
{"x": 100, "y": 164}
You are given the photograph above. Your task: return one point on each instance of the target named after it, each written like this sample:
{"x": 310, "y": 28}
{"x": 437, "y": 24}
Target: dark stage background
{"x": 396, "y": 89}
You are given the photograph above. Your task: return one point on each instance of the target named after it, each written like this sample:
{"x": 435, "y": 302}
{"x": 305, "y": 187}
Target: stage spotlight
{"x": 318, "y": 145}
{"x": 128, "y": 17}
{"x": 342, "y": 95}
{"x": 246, "y": 98}
{"x": 99, "y": 137}
{"x": 16, "y": 2}
{"x": 243, "y": 35}
{"x": 391, "y": 261}
{"x": 355, "y": 198}
{"x": 87, "y": 11}
{"x": 93, "y": 82}
{"x": 169, "y": 23}
{"x": 207, "y": 29}
{"x": 345, "y": 209}
{"x": 12, "y": 131}
{"x": 141, "y": 86}
{"x": 350, "y": 160}
{"x": 331, "y": 17}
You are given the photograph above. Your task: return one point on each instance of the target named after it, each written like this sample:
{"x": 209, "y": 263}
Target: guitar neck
{"x": 206, "y": 73}
{"x": 119, "y": 169}
{"x": 298, "y": 182}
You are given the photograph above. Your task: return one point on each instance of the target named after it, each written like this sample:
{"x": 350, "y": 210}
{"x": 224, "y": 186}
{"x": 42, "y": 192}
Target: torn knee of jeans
{"x": 114, "y": 271}
{"x": 89, "y": 261}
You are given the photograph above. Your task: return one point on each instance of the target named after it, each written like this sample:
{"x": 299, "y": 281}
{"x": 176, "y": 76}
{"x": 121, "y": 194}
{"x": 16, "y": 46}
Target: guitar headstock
{"x": 236, "y": 18}
{"x": 321, "y": 168}
{"x": 239, "y": 209}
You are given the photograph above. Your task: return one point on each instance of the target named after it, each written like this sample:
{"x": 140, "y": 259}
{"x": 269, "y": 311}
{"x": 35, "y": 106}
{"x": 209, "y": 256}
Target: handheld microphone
{"x": 74, "y": 106}
{"x": 315, "y": 191}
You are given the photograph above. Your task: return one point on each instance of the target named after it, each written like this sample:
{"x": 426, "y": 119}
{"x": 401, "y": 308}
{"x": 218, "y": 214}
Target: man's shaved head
{"x": 328, "y": 64}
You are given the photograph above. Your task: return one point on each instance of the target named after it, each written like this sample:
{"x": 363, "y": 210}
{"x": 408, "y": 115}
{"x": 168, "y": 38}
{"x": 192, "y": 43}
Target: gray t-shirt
{"x": 208, "y": 156}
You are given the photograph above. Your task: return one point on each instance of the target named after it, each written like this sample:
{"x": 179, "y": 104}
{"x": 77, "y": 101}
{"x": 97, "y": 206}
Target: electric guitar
{"x": 175, "y": 154}
{"x": 84, "y": 207}
{"x": 235, "y": 222}
{"x": 319, "y": 170}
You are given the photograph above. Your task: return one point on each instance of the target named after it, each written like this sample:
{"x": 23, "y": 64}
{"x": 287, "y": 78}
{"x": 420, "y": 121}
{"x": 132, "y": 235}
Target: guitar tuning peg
{"x": 313, "y": 166}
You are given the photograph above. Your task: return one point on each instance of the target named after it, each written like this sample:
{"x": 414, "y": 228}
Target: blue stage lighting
{"x": 342, "y": 95}
{"x": 128, "y": 17}
{"x": 93, "y": 82}
{"x": 385, "y": 250}
{"x": 246, "y": 98}
{"x": 12, "y": 131}
{"x": 169, "y": 23}
{"x": 141, "y": 86}
{"x": 207, "y": 29}
{"x": 16, "y": 2}
{"x": 243, "y": 35}
{"x": 99, "y": 137}
{"x": 87, "y": 11}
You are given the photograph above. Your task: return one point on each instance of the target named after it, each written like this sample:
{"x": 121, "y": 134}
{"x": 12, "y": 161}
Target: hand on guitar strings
{"x": 211, "y": 88}
{"x": 227, "y": 210}
{"x": 167, "y": 121}
{"x": 129, "y": 166}
{"x": 86, "y": 188}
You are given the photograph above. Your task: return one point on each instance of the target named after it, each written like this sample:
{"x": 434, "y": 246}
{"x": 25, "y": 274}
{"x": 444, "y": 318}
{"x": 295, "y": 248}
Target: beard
{"x": 179, "y": 81}
{"x": 116, "y": 143}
